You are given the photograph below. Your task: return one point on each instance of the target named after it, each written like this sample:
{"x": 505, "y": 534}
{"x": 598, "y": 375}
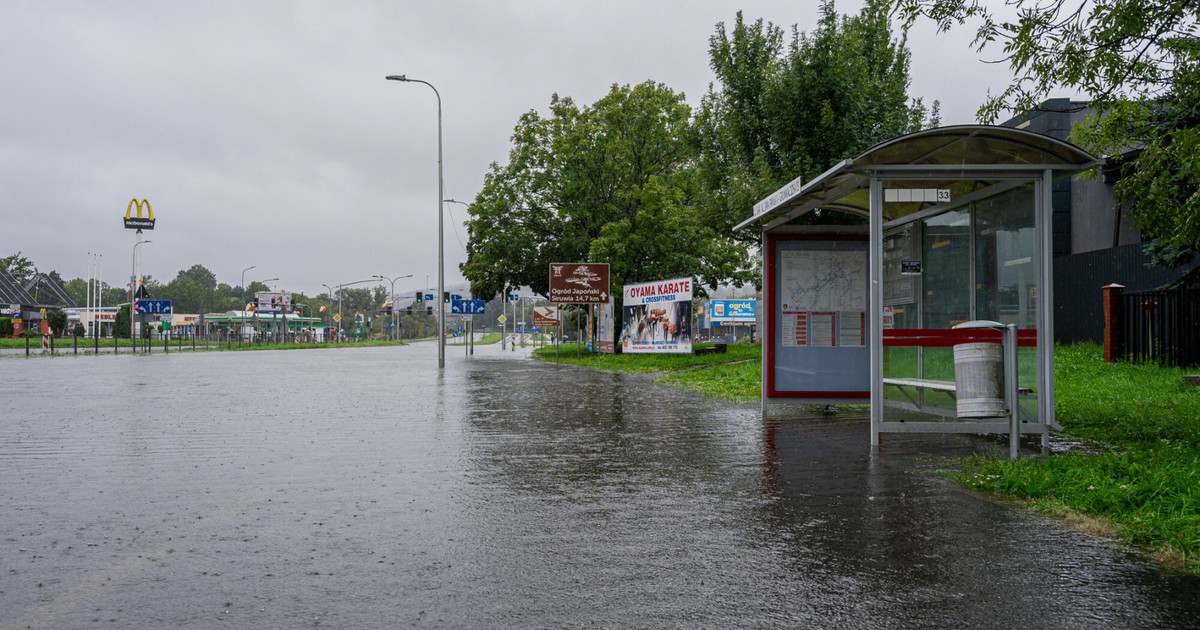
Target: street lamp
{"x": 441, "y": 245}
{"x": 329, "y": 292}
{"x": 244, "y": 297}
{"x": 393, "y": 296}
{"x": 339, "y": 291}
{"x": 243, "y": 309}
{"x": 133, "y": 285}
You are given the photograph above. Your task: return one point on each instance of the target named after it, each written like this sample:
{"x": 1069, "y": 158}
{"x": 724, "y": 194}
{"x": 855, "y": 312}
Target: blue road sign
{"x": 513, "y": 297}
{"x": 153, "y": 307}
{"x": 468, "y": 307}
{"x": 428, "y": 297}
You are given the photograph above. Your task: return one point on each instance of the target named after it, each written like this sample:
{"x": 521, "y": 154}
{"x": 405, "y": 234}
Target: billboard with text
{"x": 658, "y": 317}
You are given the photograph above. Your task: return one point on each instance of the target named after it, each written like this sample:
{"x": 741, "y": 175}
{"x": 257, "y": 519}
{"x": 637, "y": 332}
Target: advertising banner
{"x": 727, "y": 312}
{"x": 269, "y": 302}
{"x": 604, "y": 328}
{"x": 658, "y": 317}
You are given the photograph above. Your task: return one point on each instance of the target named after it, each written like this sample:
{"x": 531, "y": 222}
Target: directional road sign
{"x": 468, "y": 307}
{"x": 579, "y": 283}
{"x": 153, "y": 307}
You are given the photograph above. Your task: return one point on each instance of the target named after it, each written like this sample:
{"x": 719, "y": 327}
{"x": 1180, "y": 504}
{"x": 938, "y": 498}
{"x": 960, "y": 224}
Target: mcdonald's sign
{"x": 138, "y": 222}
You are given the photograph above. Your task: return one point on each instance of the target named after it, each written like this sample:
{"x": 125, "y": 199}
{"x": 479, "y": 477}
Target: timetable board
{"x": 818, "y": 325}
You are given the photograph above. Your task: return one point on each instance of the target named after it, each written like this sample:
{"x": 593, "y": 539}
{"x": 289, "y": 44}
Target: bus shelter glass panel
{"x": 974, "y": 262}
{"x": 1006, "y": 287}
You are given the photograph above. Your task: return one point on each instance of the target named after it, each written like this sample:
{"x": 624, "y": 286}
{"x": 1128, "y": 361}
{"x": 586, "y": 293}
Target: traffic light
{"x": 420, "y": 297}
{"x": 429, "y": 310}
{"x": 446, "y": 297}
{"x": 408, "y": 311}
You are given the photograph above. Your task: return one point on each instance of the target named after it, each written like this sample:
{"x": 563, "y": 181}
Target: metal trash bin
{"x": 979, "y": 375}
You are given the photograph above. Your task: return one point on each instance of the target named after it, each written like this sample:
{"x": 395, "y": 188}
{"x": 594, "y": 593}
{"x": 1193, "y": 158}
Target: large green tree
{"x": 613, "y": 182}
{"x": 1138, "y": 63}
{"x": 779, "y": 112}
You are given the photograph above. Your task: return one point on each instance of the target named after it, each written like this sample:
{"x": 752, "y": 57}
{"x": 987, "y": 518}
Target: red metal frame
{"x": 950, "y": 337}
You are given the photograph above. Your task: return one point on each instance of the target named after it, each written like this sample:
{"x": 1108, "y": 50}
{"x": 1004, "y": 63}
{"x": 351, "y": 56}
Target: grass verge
{"x": 734, "y": 375}
{"x": 1142, "y": 472}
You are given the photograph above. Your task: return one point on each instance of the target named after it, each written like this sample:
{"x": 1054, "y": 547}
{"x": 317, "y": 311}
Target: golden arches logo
{"x": 138, "y": 222}
{"x": 139, "y": 204}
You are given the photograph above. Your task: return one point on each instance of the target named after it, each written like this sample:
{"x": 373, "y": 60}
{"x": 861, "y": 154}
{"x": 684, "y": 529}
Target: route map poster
{"x": 817, "y": 311}
{"x": 827, "y": 291}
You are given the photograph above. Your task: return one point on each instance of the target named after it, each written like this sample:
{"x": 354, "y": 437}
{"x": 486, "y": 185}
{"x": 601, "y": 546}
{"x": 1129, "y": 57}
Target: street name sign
{"x": 579, "y": 283}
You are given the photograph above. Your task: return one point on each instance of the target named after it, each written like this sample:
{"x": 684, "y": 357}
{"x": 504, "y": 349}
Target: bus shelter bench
{"x": 912, "y": 388}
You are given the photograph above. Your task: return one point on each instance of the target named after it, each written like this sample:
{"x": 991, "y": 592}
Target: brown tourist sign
{"x": 579, "y": 283}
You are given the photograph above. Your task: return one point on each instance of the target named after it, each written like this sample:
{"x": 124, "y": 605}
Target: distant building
{"x": 15, "y": 302}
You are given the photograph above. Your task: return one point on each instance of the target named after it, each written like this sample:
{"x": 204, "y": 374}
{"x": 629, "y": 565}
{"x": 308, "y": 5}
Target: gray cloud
{"x": 264, "y": 133}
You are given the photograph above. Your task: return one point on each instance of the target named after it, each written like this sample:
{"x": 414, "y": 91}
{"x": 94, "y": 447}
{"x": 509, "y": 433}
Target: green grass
{"x": 734, "y": 375}
{"x": 35, "y": 343}
{"x": 1142, "y": 474}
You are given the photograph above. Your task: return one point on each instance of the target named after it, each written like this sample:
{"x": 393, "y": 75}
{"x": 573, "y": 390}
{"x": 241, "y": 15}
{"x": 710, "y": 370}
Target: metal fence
{"x": 1162, "y": 326}
{"x": 1078, "y": 299}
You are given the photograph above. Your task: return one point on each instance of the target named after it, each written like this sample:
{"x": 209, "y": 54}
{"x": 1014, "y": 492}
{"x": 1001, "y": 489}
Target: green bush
{"x": 6, "y": 327}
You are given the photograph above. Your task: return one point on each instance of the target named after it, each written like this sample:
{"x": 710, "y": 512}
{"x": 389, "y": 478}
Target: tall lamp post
{"x": 133, "y": 287}
{"x": 255, "y": 310}
{"x": 243, "y": 322}
{"x": 329, "y": 292}
{"x": 393, "y": 296}
{"x": 441, "y": 246}
{"x": 339, "y": 291}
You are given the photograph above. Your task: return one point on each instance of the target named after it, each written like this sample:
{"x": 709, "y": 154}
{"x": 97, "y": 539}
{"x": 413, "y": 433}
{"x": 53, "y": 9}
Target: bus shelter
{"x": 917, "y": 278}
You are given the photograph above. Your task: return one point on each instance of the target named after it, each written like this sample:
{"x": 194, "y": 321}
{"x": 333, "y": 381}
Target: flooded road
{"x": 361, "y": 488}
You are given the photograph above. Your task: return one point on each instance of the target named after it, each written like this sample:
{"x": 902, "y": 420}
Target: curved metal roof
{"x": 962, "y": 159}
{"x": 975, "y": 145}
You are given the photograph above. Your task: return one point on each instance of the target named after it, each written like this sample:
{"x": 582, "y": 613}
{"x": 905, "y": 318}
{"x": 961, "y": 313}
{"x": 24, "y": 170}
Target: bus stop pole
{"x": 875, "y": 304}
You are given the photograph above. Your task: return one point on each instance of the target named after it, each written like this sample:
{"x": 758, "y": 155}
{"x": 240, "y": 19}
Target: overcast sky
{"x": 263, "y": 133}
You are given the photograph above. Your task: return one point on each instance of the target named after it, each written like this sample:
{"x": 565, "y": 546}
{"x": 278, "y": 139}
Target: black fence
{"x": 1162, "y": 326}
{"x": 1078, "y": 298}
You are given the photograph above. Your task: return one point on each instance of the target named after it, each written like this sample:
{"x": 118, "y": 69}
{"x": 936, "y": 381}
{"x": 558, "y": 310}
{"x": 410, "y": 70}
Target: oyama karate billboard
{"x": 658, "y": 317}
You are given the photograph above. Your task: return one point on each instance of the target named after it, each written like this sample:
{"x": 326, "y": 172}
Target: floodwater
{"x": 363, "y": 488}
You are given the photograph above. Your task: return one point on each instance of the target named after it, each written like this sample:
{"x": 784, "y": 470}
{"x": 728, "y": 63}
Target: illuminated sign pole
{"x": 138, "y": 223}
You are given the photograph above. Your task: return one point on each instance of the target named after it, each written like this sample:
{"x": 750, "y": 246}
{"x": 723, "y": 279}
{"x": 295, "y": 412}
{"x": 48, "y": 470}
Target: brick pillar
{"x": 1114, "y": 342}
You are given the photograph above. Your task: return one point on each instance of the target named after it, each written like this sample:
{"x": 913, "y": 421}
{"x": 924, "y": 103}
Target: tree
{"x": 201, "y": 276}
{"x": 122, "y": 324}
{"x": 1138, "y": 61}
{"x": 77, "y": 288}
{"x": 57, "y": 320}
{"x": 19, "y": 267}
{"x": 612, "y": 182}
{"x": 781, "y": 114}
{"x": 186, "y": 295}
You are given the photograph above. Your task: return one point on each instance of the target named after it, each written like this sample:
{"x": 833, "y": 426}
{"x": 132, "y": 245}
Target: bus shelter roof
{"x": 963, "y": 160}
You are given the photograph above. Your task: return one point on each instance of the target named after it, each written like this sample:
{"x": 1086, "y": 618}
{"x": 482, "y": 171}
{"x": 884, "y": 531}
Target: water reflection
{"x": 363, "y": 488}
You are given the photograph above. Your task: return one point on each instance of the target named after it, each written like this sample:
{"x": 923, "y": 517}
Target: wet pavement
{"x": 361, "y": 488}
